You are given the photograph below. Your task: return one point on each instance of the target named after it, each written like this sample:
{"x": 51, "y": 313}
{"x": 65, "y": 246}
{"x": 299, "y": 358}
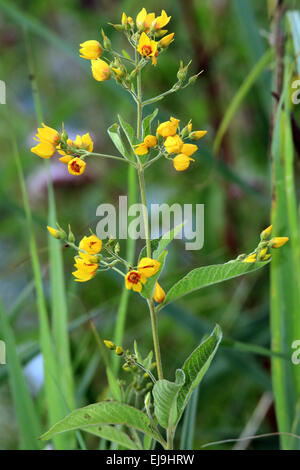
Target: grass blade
{"x": 28, "y": 422}
{"x": 239, "y": 96}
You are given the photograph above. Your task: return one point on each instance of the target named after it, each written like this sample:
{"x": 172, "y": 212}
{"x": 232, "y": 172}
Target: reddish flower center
{"x": 75, "y": 167}
{"x": 146, "y": 50}
{"x": 134, "y": 277}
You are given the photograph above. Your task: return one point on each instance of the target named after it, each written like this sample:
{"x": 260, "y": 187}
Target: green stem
{"x": 146, "y": 225}
{"x": 112, "y": 157}
{"x": 155, "y": 339}
{"x": 139, "y": 105}
{"x": 169, "y": 440}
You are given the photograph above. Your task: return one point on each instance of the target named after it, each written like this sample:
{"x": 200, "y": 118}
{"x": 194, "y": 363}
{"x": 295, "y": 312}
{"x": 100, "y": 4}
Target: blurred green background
{"x": 225, "y": 38}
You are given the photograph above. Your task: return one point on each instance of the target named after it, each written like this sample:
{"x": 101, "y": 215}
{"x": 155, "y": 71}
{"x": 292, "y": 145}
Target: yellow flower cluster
{"x": 135, "y": 278}
{"x": 262, "y": 252}
{"x": 51, "y": 141}
{"x": 150, "y": 27}
{"x": 149, "y": 38}
{"x": 174, "y": 143}
{"x": 87, "y": 262}
{"x": 143, "y": 148}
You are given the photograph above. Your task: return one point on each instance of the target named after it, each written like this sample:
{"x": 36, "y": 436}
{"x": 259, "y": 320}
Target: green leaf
{"x": 165, "y": 399}
{"x": 114, "y": 385}
{"x": 110, "y": 412}
{"x": 149, "y": 286}
{"x": 208, "y": 276}
{"x": 166, "y": 239}
{"x": 158, "y": 245}
{"x": 111, "y": 433}
{"x": 115, "y": 135}
{"x": 147, "y": 121}
{"x": 196, "y": 366}
{"x": 29, "y": 425}
{"x": 128, "y": 130}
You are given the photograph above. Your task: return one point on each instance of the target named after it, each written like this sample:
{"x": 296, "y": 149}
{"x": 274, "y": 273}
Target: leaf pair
{"x": 170, "y": 400}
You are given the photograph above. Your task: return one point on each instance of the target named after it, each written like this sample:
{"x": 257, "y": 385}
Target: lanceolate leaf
{"x": 147, "y": 123}
{"x": 111, "y": 433}
{"x": 128, "y": 130}
{"x": 103, "y": 413}
{"x": 158, "y": 245}
{"x": 115, "y": 135}
{"x": 207, "y": 276}
{"x": 196, "y": 366}
{"x": 165, "y": 399}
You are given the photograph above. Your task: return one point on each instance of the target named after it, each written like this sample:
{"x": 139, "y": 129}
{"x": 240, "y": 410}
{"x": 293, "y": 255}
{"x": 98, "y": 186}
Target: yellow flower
{"x": 166, "y": 41}
{"x": 189, "y": 149}
{"x": 181, "y": 162}
{"x": 150, "y": 141}
{"x": 148, "y": 266}
{"x": 84, "y": 270}
{"x": 81, "y": 276}
{"x": 173, "y": 144}
{"x": 100, "y": 70}
{"x": 147, "y": 47}
{"x": 76, "y": 166}
{"x": 196, "y": 135}
{"x": 66, "y": 159}
{"x": 266, "y": 233}
{"x": 44, "y": 150}
{"x": 278, "y": 242}
{"x": 168, "y": 128}
{"x": 134, "y": 280}
{"x": 90, "y": 50}
{"x": 85, "y": 266}
{"x": 159, "y": 294}
{"x": 250, "y": 258}
{"x": 144, "y": 19}
{"x": 88, "y": 258}
{"x": 48, "y": 134}
{"x": 162, "y": 20}
{"x": 143, "y": 148}
{"x": 91, "y": 245}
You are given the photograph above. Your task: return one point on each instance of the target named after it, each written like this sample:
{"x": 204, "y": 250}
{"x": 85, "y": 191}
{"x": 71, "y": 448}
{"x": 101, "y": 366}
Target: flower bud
{"x": 71, "y": 236}
{"x": 265, "y": 234}
{"x": 196, "y": 135}
{"x": 166, "y": 41}
{"x": 147, "y": 403}
{"x": 182, "y": 72}
{"x": 109, "y": 344}
{"x": 64, "y": 136}
{"x": 159, "y": 294}
{"x": 119, "y": 351}
{"x": 106, "y": 41}
{"x": 278, "y": 242}
{"x": 59, "y": 234}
